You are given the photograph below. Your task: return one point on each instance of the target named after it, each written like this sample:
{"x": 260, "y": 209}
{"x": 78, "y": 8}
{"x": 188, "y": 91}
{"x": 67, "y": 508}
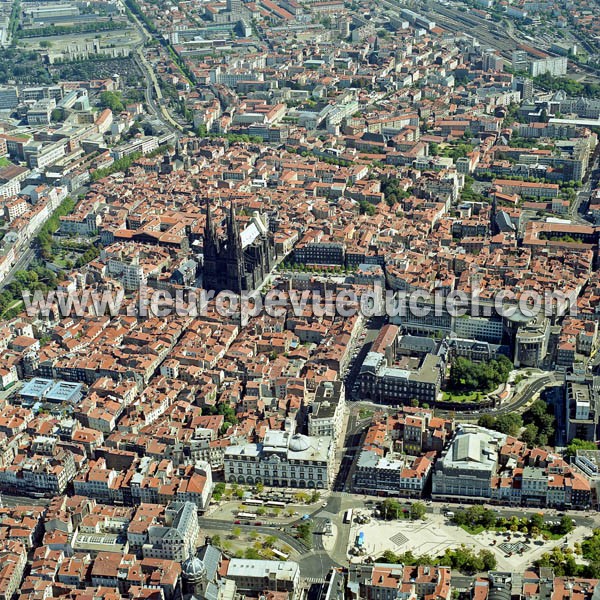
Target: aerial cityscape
{"x": 299, "y": 300}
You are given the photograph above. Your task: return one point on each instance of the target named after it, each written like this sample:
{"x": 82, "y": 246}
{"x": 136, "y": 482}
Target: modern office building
{"x": 467, "y": 465}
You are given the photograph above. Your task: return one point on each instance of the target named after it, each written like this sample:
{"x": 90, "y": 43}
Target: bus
{"x": 275, "y": 504}
{"x": 279, "y": 554}
{"x": 360, "y": 539}
{"x": 253, "y": 502}
{"x": 246, "y": 515}
{"x": 348, "y": 516}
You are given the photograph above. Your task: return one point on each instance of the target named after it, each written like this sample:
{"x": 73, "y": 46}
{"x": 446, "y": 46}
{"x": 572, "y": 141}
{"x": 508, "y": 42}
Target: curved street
{"x": 154, "y": 97}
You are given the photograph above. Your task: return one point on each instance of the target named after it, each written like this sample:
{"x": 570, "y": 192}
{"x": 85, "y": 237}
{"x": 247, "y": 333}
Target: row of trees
{"x": 462, "y": 559}
{"x": 392, "y": 509}
{"x": 71, "y": 29}
{"x": 304, "y": 532}
{"x": 51, "y": 226}
{"x": 509, "y": 424}
{"x": 122, "y": 164}
{"x": 337, "y": 269}
{"x": 478, "y": 516}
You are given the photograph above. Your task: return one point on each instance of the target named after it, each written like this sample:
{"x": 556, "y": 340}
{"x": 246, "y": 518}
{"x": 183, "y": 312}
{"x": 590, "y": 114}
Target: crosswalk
{"x": 312, "y": 580}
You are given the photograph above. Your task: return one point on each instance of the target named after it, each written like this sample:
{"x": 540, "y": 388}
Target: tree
{"x": 304, "y": 531}
{"x": 252, "y": 554}
{"x": 488, "y": 518}
{"x": 111, "y": 100}
{"x": 530, "y": 434}
{"x": 566, "y": 525}
{"x": 590, "y": 547}
{"x": 219, "y": 491}
{"x": 216, "y": 540}
{"x": 537, "y": 521}
{"x": 260, "y": 487}
{"x": 390, "y": 509}
{"x": 366, "y": 208}
{"x": 577, "y": 444}
{"x": 509, "y": 423}
{"x": 489, "y": 560}
{"x": 486, "y": 421}
{"x": 236, "y": 532}
{"x": 390, "y": 558}
{"x": 417, "y": 511}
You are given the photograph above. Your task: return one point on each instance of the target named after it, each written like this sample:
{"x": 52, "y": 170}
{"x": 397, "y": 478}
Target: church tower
{"x": 234, "y": 261}
{"x": 211, "y": 251}
{"x": 194, "y": 576}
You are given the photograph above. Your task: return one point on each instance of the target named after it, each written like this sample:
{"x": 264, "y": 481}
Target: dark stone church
{"x": 242, "y": 260}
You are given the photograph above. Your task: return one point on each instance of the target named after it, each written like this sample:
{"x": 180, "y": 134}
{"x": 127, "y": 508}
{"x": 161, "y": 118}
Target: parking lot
{"x": 435, "y": 535}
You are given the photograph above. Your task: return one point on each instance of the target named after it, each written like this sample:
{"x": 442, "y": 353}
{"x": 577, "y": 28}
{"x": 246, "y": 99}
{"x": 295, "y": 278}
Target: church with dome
{"x": 200, "y": 575}
{"x": 210, "y": 575}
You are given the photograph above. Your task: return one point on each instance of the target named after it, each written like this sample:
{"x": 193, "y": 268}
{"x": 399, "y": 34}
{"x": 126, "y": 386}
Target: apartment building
{"x": 176, "y": 535}
{"x": 320, "y": 253}
{"x": 326, "y": 414}
{"x": 13, "y": 559}
{"x": 392, "y": 475}
{"x": 382, "y": 581}
{"x": 39, "y": 473}
{"x": 527, "y": 188}
{"x": 257, "y": 576}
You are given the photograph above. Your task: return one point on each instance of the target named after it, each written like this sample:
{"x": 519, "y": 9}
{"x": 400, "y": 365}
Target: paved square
{"x": 514, "y": 548}
{"x": 435, "y": 535}
{"x": 399, "y": 539}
